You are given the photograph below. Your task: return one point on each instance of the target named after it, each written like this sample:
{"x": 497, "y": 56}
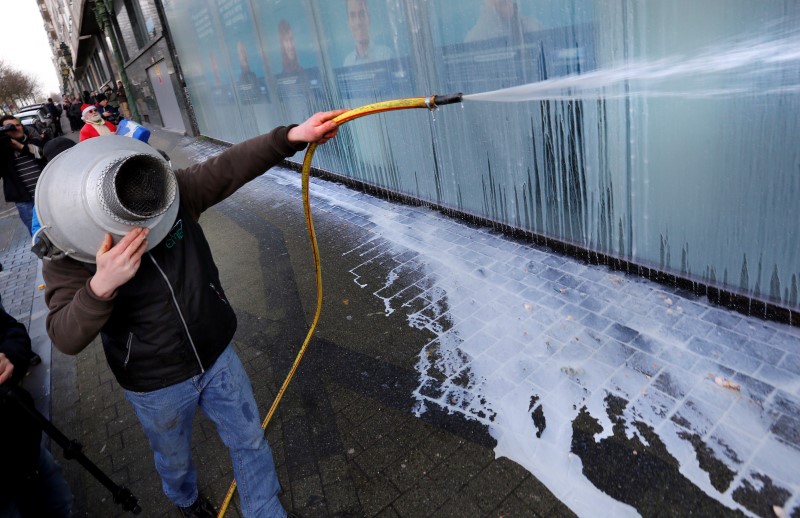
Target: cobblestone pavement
{"x": 455, "y": 372}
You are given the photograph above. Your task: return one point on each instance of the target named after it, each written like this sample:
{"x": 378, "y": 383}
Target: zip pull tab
{"x": 130, "y": 345}
{"x": 218, "y": 293}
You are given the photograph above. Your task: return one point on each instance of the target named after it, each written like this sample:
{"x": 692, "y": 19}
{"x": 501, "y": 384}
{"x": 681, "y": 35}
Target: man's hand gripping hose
{"x": 429, "y": 103}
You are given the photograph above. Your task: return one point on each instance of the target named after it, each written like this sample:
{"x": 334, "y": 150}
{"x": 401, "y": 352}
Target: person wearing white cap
{"x": 95, "y": 125}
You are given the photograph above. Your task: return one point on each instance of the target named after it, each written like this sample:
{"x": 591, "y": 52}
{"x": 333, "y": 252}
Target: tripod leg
{"x": 73, "y": 450}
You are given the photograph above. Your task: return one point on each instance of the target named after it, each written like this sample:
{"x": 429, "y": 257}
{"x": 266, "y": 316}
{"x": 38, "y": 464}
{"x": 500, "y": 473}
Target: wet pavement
{"x": 454, "y": 372}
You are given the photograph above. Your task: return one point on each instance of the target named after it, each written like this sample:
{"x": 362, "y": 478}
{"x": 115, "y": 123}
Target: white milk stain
{"x": 504, "y": 344}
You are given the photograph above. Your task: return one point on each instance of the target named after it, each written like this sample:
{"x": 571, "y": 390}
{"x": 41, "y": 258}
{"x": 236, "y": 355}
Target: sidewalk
{"x": 455, "y": 372}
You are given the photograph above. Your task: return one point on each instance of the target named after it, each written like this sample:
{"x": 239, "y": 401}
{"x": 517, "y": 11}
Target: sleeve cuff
{"x": 283, "y": 135}
{"x": 94, "y": 302}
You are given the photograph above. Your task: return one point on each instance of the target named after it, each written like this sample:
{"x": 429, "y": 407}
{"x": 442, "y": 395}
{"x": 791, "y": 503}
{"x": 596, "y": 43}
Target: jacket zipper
{"x": 128, "y": 355}
{"x": 218, "y": 293}
{"x": 178, "y": 309}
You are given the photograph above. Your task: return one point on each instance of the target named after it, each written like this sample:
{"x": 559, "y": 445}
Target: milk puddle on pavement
{"x": 614, "y": 392}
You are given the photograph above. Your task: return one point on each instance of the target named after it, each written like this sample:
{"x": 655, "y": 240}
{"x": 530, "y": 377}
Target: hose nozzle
{"x": 440, "y": 100}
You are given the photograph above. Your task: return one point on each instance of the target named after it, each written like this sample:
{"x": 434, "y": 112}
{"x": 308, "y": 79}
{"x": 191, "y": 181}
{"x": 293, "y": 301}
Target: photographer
{"x": 106, "y": 110}
{"x": 31, "y": 484}
{"x": 21, "y": 163}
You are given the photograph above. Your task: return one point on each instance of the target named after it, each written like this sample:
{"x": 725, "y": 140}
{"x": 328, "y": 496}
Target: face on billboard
{"x": 358, "y": 21}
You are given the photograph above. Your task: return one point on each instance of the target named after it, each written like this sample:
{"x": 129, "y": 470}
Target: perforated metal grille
{"x": 136, "y": 188}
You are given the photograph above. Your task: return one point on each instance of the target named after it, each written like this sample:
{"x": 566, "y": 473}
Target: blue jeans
{"x": 25, "y": 209}
{"x": 224, "y": 394}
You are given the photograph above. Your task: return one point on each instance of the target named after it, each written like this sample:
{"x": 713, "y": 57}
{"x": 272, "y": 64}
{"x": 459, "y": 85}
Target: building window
{"x": 136, "y": 24}
{"x": 135, "y": 21}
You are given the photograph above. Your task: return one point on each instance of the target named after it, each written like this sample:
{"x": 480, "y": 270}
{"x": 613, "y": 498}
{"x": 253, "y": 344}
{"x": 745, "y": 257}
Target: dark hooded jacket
{"x": 19, "y": 434}
{"x": 13, "y": 188}
{"x": 172, "y": 320}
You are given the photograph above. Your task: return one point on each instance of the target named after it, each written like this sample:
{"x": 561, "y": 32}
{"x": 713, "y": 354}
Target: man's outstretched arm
{"x": 206, "y": 184}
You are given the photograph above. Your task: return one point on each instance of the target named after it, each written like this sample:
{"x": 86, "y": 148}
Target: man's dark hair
{"x": 49, "y": 99}
{"x": 56, "y": 146}
{"x": 5, "y": 118}
{"x": 100, "y": 97}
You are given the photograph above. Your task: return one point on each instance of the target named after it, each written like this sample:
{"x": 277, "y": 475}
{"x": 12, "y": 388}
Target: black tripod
{"x": 72, "y": 450}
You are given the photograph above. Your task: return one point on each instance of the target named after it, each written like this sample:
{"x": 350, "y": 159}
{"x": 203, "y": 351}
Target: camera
{"x": 7, "y": 128}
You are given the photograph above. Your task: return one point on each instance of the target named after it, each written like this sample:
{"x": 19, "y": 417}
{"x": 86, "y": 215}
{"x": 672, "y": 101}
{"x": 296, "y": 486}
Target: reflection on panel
{"x": 675, "y": 182}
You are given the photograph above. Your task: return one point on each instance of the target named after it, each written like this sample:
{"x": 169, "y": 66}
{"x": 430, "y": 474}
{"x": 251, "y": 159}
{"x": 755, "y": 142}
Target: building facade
{"x": 96, "y": 43}
{"x": 659, "y": 136}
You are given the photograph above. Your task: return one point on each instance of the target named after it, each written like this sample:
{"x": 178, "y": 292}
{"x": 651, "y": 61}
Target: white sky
{"x": 23, "y": 44}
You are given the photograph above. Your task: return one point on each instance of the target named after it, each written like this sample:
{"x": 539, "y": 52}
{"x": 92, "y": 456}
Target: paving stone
{"x": 495, "y": 484}
{"x": 697, "y": 416}
{"x": 614, "y": 353}
{"x": 341, "y": 499}
{"x": 787, "y": 403}
{"x": 622, "y": 333}
{"x": 461, "y": 505}
{"x": 786, "y": 339}
{"x": 628, "y": 383}
{"x": 788, "y": 429}
{"x": 674, "y": 382}
{"x": 542, "y": 503}
{"x": 774, "y": 376}
{"x": 708, "y": 391}
{"x": 644, "y": 363}
{"x": 748, "y": 417}
{"x": 724, "y": 319}
{"x": 730, "y": 446}
{"x": 725, "y": 356}
{"x": 565, "y": 330}
{"x": 594, "y": 321}
{"x": 784, "y": 471}
{"x": 590, "y": 375}
{"x": 420, "y": 500}
{"x": 791, "y": 362}
{"x": 653, "y": 406}
{"x": 681, "y": 358}
{"x": 752, "y": 387}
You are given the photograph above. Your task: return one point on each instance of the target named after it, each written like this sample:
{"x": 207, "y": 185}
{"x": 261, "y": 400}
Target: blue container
{"x": 128, "y": 128}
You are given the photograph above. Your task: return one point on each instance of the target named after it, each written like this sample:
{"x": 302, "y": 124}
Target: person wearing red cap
{"x": 95, "y": 125}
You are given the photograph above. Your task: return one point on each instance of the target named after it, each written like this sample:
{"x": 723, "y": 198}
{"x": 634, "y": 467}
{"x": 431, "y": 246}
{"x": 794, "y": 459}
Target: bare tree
{"x": 17, "y": 86}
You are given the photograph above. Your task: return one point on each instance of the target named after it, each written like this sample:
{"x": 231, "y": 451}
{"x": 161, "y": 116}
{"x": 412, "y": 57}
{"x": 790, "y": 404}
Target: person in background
{"x": 107, "y": 111}
{"x": 111, "y": 95}
{"x": 21, "y": 163}
{"x": 122, "y": 98}
{"x": 291, "y": 65}
{"x": 172, "y": 358}
{"x": 67, "y": 104}
{"x": 94, "y": 125}
{"x": 31, "y": 483}
{"x": 251, "y": 88}
{"x": 501, "y": 19}
{"x": 74, "y": 114}
{"x": 55, "y": 115}
{"x": 359, "y": 23}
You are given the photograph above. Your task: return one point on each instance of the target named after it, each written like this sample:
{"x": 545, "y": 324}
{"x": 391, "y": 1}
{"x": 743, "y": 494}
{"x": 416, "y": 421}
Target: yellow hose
{"x": 397, "y": 104}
